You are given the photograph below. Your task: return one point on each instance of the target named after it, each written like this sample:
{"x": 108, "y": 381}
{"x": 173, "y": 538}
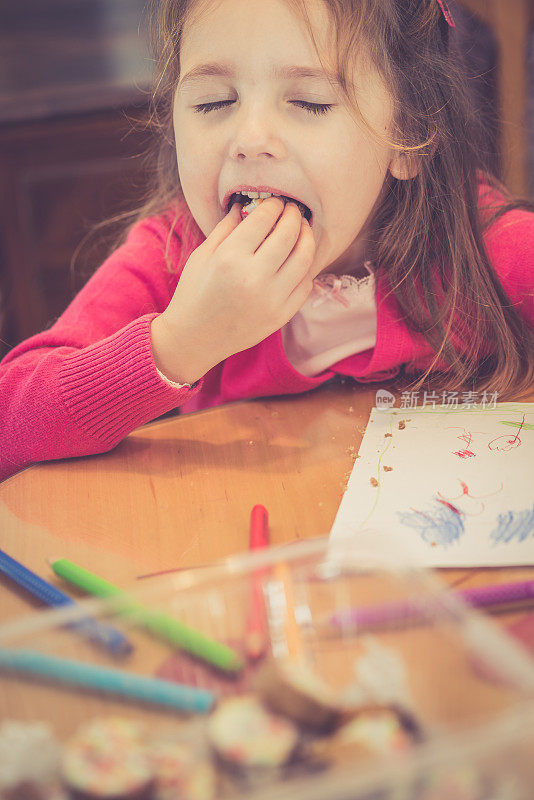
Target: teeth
{"x": 256, "y": 195}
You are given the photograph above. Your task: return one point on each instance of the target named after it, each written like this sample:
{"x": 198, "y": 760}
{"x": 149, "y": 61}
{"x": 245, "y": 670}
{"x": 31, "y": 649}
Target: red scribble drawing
{"x": 466, "y": 493}
{"x": 449, "y": 505}
{"x": 504, "y": 443}
{"x": 466, "y": 437}
{"x": 464, "y": 453}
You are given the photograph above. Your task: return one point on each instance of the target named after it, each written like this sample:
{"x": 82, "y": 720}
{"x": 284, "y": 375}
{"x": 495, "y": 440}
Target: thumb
{"x": 223, "y": 228}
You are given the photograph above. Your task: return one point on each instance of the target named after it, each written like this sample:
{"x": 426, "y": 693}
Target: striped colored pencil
{"x": 293, "y": 637}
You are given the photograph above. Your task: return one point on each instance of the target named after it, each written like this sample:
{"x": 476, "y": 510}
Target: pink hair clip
{"x": 447, "y": 13}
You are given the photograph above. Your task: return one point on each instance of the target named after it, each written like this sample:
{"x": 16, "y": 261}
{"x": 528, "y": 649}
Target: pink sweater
{"x": 84, "y": 384}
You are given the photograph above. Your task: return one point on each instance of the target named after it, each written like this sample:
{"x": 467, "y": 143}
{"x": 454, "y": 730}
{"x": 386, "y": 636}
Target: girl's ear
{"x": 404, "y": 166}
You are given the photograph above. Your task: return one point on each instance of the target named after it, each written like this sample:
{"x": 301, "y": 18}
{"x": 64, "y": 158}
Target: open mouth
{"x": 249, "y": 201}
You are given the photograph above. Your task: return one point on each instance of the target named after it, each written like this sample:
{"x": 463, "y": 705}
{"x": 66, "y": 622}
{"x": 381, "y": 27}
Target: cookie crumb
{"x": 388, "y": 435}
{"x": 373, "y": 481}
{"x": 387, "y": 469}
{"x": 402, "y": 425}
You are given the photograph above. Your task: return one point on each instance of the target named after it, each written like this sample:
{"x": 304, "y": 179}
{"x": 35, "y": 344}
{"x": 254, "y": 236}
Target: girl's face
{"x": 254, "y": 108}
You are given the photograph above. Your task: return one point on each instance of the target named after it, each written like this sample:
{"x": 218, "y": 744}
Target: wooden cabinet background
{"x": 74, "y": 87}
{"x": 59, "y": 178}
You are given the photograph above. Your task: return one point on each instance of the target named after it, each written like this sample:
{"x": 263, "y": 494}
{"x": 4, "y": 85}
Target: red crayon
{"x": 259, "y": 538}
{"x": 259, "y": 528}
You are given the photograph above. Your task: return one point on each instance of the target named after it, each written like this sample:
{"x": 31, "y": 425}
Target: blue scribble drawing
{"x": 513, "y": 525}
{"x": 440, "y": 524}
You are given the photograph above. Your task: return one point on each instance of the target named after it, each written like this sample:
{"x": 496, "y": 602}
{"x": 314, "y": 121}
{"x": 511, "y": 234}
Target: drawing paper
{"x": 445, "y": 487}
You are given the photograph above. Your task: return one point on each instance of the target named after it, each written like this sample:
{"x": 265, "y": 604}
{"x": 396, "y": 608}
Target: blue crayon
{"x": 103, "y": 635}
{"x": 108, "y": 680}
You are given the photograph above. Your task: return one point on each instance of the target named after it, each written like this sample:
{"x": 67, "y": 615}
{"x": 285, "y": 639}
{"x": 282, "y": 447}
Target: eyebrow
{"x": 215, "y": 69}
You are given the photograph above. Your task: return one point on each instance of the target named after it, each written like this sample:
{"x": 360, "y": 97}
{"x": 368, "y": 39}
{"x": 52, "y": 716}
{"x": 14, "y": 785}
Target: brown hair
{"x": 428, "y": 231}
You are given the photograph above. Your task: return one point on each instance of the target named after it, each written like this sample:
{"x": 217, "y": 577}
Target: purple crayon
{"x": 413, "y": 611}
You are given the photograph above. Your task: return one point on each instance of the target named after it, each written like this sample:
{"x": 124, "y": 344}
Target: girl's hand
{"x": 244, "y": 282}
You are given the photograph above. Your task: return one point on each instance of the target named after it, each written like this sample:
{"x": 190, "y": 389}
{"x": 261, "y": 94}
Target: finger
{"x": 297, "y": 267}
{"x": 259, "y": 223}
{"x": 299, "y": 295}
{"x": 223, "y": 229}
{"x": 275, "y": 249}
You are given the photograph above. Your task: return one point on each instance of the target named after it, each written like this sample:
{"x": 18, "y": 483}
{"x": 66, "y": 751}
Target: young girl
{"x": 322, "y": 209}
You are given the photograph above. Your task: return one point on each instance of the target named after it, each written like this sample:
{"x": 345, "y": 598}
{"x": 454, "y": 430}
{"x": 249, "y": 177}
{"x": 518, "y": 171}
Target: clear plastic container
{"x": 464, "y": 688}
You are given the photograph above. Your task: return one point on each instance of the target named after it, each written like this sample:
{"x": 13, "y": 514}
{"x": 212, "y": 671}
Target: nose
{"x": 255, "y": 135}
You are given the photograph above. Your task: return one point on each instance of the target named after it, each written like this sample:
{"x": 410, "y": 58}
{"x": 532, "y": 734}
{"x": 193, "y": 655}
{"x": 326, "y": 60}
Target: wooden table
{"x": 178, "y": 493}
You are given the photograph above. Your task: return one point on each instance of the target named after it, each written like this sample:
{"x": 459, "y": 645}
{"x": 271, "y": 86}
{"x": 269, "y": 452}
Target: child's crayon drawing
{"x": 524, "y": 425}
{"x": 514, "y": 526}
{"x": 445, "y": 505}
{"x": 466, "y": 437}
{"x": 438, "y": 525}
{"x": 507, "y": 442}
{"x": 477, "y": 506}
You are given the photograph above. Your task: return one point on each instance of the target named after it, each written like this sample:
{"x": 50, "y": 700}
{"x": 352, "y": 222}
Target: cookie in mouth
{"x": 249, "y": 200}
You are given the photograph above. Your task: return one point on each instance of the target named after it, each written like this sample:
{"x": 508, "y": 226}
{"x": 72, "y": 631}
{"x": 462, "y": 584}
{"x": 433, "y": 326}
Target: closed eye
{"x": 205, "y": 108}
{"x": 311, "y": 108}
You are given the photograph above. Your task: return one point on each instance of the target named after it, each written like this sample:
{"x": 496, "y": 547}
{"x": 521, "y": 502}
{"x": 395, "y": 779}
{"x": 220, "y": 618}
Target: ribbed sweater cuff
{"x": 111, "y": 387}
